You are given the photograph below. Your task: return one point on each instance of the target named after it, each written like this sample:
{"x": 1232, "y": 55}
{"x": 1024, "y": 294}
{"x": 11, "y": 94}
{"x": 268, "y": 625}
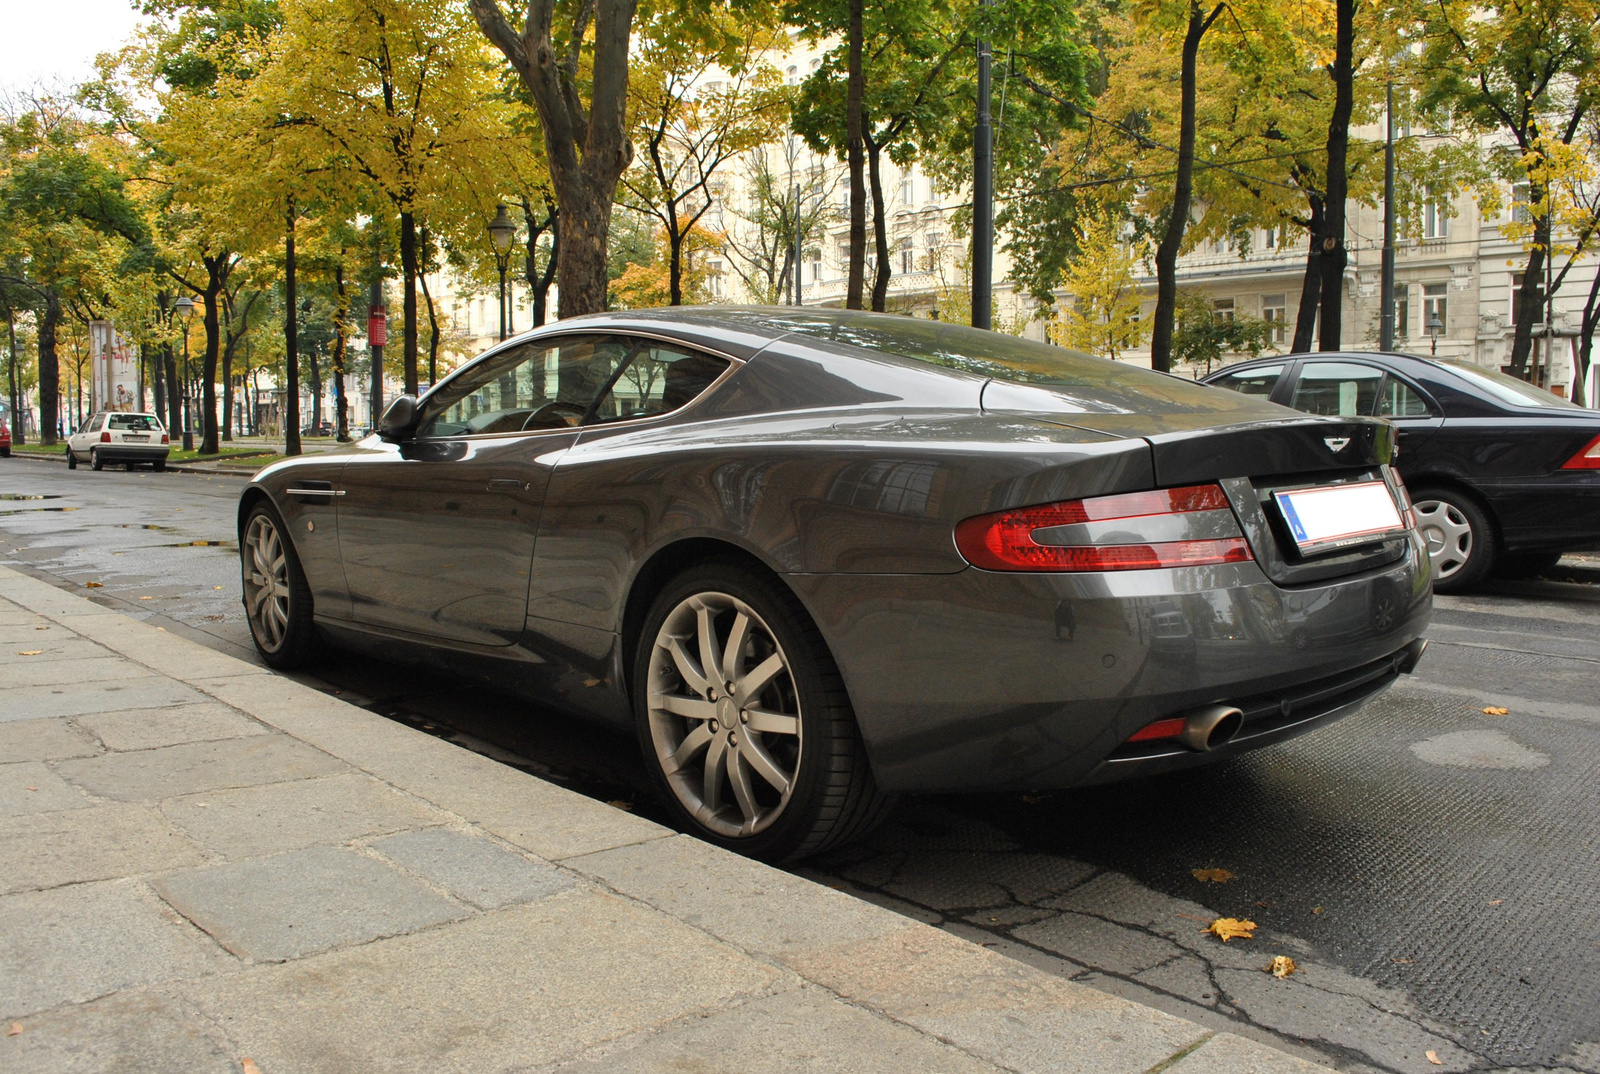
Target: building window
{"x": 814, "y": 258}
{"x": 908, "y": 189}
{"x": 1435, "y": 304}
{"x": 714, "y": 278}
{"x": 792, "y": 76}
{"x": 1223, "y": 308}
{"x": 1402, "y": 310}
{"x": 1275, "y": 311}
{"x": 1436, "y": 220}
{"x": 1520, "y": 198}
{"x": 1269, "y": 241}
{"x": 908, "y": 261}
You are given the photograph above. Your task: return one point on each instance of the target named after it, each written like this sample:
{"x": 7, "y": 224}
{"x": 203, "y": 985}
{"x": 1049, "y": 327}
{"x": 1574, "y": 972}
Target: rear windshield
{"x": 138, "y": 423}
{"x": 1508, "y": 389}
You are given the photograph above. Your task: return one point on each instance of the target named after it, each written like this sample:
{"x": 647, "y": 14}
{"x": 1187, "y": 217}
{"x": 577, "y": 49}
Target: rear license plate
{"x": 136, "y": 439}
{"x": 1336, "y": 516}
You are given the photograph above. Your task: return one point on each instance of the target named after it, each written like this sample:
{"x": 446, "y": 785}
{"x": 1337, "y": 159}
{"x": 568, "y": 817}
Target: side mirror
{"x": 399, "y": 418}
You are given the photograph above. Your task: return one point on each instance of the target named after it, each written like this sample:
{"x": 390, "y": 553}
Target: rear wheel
{"x": 277, "y": 600}
{"x": 744, "y": 721}
{"x": 1461, "y": 539}
{"x": 95, "y": 462}
{"x": 72, "y": 458}
{"x": 159, "y": 465}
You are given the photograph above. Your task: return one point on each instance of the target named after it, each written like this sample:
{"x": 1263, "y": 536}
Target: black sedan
{"x": 814, "y": 558}
{"x": 1503, "y": 476}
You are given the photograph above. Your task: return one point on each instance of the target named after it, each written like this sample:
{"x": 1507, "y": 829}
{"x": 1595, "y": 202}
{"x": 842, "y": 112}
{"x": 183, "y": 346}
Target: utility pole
{"x": 377, "y": 335}
{"x": 799, "y": 243}
{"x": 982, "y": 196}
{"x": 1386, "y": 324}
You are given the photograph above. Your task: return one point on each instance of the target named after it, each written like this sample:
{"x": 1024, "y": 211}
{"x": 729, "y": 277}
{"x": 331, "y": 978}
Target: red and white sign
{"x": 377, "y": 328}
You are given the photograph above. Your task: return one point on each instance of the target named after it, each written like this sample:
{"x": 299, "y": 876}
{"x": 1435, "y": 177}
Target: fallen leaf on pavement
{"x": 1231, "y": 928}
{"x": 1496, "y": 710}
{"x": 31, "y": 788}
{"x": 1316, "y": 909}
{"x": 1496, "y": 902}
{"x": 1282, "y": 966}
{"x": 626, "y": 807}
{"x": 216, "y": 587}
{"x": 147, "y": 598}
{"x": 1433, "y": 1057}
{"x": 94, "y": 585}
{"x": 16, "y": 1027}
{"x": 247, "y": 1064}
{"x": 29, "y": 652}
{"x": 1212, "y": 876}
{"x": 41, "y": 628}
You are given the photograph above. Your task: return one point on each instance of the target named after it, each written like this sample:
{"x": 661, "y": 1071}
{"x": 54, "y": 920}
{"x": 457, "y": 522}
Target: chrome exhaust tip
{"x": 1406, "y": 660}
{"x": 1209, "y": 727}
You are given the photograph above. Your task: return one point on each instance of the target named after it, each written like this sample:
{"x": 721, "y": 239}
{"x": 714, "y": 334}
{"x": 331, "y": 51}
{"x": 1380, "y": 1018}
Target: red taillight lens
{"x": 1160, "y": 729}
{"x": 163, "y": 438}
{"x": 1003, "y": 541}
{"x": 1587, "y": 459}
{"x": 105, "y": 437}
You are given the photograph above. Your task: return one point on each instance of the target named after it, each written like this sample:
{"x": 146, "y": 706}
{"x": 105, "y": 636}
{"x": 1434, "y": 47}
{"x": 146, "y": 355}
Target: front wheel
{"x": 744, "y": 721}
{"x": 1461, "y": 539}
{"x": 277, "y": 600}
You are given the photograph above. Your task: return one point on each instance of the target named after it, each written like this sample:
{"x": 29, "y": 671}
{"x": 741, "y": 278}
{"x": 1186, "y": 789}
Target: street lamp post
{"x": 185, "y": 309}
{"x": 1435, "y": 326}
{"x": 501, "y": 232}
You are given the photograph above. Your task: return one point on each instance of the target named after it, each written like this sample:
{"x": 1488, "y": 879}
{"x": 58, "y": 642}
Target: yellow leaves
{"x": 1232, "y": 928}
{"x": 248, "y": 1066}
{"x": 16, "y": 1027}
{"x": 94, "y": 585}
{"x": 29, "y": 652}
{"x": 1496, "y": 710}
{"x": 1433, "y": 1057}
{"x": 1212, "y": 876}
{"x": 1282, "y": 966}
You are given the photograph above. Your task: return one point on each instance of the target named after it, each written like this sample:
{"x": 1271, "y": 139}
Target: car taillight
{"x": 105, "y": 437}
{"x": 1586, "y": 459}
{"x": 1004, "y": 540}
{"x": 163, "y": 438}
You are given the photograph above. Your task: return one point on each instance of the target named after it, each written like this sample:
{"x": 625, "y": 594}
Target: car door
{"x": 437, "y": 532}
{"x": 87, "y": 436}
{"x": 1345, "y": 388}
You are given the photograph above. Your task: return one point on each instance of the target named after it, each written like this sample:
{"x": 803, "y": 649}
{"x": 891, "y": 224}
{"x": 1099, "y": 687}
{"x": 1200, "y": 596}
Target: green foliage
{"x": 1203, "y": 336}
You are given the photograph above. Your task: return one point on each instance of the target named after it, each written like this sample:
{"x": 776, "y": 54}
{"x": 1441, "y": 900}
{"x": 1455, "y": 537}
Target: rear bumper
{"x": 132, "y": 452}
{"x": 985, "y": 681}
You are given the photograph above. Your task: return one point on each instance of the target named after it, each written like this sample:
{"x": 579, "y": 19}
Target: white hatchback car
{"x": 116, "y": 436}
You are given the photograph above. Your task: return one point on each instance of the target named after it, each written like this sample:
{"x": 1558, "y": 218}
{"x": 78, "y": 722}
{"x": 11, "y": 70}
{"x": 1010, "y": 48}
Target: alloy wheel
{"x": 1448, "y": 533}
{"x": 724, "y": 715}
{"x": 266, "y": 582}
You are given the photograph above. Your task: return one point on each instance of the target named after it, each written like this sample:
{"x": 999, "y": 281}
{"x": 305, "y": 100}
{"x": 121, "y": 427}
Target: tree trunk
{"x": 341, "y": 317}
{"x": 433, "y": 333}
{"x": 229, "y": 343}
{"x": 19, "y": 434}
{"x": 174, "y": 392}
{"x": 1530, "y": 300}
{"x": 1182, "y": 193}
{"x": 216, "y": 278}
{"x": 539, "y": 280}
{"x": 291, "y": 337}
{"x": 1305, "y": 319}
{"x": 1591, "y": 321}
{"x": 855, "y": 136}
{"x": 1334, "y": 255}
{"x": 408, "y": 269}
{"x": 49, "y": 370}
{"x": 880, "y": 230}
{"x": 674, "y": 265}
{"x": 158, "y": 379}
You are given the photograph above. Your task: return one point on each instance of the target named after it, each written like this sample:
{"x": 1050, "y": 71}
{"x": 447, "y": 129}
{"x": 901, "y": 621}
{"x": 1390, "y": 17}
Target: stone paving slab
{"x": 80, "y": 698}
{"x": 32, "y": 672}
{"x": 258, "y": 869}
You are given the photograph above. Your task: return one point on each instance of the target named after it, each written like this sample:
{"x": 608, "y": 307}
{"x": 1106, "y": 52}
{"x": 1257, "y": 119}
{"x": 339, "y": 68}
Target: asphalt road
{"x": 1432, "y": 869}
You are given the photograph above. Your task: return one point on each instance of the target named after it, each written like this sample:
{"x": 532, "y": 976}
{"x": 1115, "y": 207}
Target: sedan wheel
{"x": 277, "y": 600}
{"x": 1460, "y": 538}
{"x": 745, "y": 721}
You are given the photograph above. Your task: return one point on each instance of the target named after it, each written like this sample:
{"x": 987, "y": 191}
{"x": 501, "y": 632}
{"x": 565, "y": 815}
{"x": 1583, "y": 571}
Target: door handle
{"x": 506, "y": 484}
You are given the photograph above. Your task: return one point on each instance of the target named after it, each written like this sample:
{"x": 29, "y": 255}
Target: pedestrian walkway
{"x": 205, "y": 866}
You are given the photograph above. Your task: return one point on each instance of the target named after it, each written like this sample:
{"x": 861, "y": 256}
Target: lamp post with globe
{"x": 501, "y": 231}
{"x": 1435, "y": 326}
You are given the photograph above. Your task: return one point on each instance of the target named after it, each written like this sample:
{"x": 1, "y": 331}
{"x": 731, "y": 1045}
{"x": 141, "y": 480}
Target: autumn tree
{"x": 1205, "y": 335}
{"x": 1104, "y": 300}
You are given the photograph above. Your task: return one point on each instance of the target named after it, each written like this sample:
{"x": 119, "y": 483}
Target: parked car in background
{"x": 813, "y": 557}
{"x": 5, "y": 431}
{"x": 1503, "y": 476}
{"x": 322, "y": 429}
{"x": 117, "y": 436}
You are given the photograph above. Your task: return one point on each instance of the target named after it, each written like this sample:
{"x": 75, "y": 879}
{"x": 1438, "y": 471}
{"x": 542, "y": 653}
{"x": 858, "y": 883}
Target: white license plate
{"x": 1339, "y": 515}
{"x": 136, "y": 439}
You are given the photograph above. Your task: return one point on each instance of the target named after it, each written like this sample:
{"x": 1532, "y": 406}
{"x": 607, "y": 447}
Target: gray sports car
{"x": 817, "y": 557}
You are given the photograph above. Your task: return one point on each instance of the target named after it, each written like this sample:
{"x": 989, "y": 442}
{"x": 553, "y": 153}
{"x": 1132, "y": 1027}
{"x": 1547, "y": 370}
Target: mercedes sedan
{"x": 813, "y": 558}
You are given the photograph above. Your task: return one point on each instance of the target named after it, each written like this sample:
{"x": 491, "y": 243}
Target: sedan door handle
{"x": 506, "y": 484}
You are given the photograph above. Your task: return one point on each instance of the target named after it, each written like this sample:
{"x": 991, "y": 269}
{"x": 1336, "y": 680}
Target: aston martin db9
{"x": 813, "y": 558}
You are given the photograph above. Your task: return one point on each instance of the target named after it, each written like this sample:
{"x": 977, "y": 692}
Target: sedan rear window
{"x": 1508, "y": 389}
{"x": 138, "y": 423}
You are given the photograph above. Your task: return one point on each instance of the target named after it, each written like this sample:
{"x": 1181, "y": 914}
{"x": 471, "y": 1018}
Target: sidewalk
{"x": 207, "y": 867}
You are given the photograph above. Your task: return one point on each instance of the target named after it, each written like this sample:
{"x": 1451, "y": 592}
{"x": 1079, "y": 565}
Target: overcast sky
{"x": 54, "y": 42}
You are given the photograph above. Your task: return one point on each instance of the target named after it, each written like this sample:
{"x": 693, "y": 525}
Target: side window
{"x": 1400, "y": 400}
{"x": 1258, "y": 381}
{"x": 1337, "y": 389}
{"x": 550, "y": 384}
{"x": 659, "y": 379}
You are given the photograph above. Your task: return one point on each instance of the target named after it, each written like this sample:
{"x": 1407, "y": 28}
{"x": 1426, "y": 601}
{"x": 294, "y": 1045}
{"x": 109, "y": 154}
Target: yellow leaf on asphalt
{"x": 1231, "y": 928}
{"x": 1212, "y": 876}
{"x": 41, "y": 628}
{"x": 1496, "y": 710}
{"x": 626, "y": 807}
{"x": 147, "y": 598}
{"x": 248, "y": 1066}
{"x": 94, "y": 585}
{"x": 29, "y": 652}
{"x": 16, "y": 1027}
{"x": 216, "y": 587}
{"x": 1282, "y": 966}
{"x": 1433, "y": 1057}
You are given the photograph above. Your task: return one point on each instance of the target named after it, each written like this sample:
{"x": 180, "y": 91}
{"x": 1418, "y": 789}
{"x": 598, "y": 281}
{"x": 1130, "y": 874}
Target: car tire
{"x": 1460, "y": 537}
{"x": 1525, "y": 564}
{"x": 94, "y": 460}
{"x": 159, "y": 466}
{"x": 794, "y": 786}
{"x": 72, "y": 458}
{"x": 277, "y": 599}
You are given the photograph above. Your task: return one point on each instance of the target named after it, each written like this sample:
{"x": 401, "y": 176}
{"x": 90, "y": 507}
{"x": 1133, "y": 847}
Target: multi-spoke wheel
{"x": 744, "y": 719}
{"x": 1459, "y": 535}
{"x": 277, "y": 600}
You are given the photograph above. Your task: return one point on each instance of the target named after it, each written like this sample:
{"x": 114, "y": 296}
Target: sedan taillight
{"x": 105, "y": 437}
{"x": 163, "y": 438}
{"x": 1007, "y": 541}
{"x": 1586, "y": 459}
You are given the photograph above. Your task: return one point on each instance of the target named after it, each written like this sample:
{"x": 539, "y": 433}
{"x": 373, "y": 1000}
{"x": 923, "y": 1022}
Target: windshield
{"x": 1508, "y": 389}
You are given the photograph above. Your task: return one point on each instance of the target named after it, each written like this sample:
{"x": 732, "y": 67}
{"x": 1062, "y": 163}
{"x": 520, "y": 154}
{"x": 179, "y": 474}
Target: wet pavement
{"x": 1432, "y": 869}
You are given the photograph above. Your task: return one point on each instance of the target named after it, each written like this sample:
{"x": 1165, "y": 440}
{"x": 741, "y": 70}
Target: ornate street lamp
{"x": 184, "y": 308}
{"x": 1435, "y": 326}
{"x": 501, "y": 231}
